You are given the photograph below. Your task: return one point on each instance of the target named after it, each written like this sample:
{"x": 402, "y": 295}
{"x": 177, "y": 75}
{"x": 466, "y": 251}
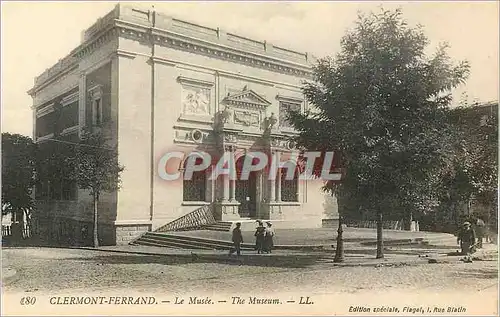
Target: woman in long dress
{"x": 268, "y": 238}
{"x": 260, "y": 232}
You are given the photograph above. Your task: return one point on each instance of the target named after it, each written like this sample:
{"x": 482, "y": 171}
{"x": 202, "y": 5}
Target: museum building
{"x": 153, "y": 84}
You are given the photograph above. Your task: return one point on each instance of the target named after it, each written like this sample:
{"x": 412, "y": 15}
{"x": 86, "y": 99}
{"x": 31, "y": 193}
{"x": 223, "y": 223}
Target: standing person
{"x": 466, "y": 238}
{"x": 480, "y": 232}
{"x": 260, "y": 232}
{"x": 237, "y": 240}
{"x": 268, "y": 238}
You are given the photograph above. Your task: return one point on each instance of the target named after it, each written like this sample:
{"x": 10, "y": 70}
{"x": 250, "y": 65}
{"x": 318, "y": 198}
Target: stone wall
{"x": 126, "y": 233}
{"x": 62, "y": 231}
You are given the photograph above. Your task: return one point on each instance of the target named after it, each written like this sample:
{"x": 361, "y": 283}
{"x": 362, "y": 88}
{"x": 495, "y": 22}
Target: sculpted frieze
{"x": 247, "y": 118}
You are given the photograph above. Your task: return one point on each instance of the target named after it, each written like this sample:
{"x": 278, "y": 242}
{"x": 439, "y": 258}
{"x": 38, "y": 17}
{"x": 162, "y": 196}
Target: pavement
{"x": 362, "y": 256}
{"x": 8, "y": 273}
{"x": 59, "y": 270}
{"x": 326, "y": 236}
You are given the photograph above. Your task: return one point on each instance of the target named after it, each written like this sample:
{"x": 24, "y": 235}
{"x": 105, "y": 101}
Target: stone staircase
{"x": 218, "y": 226}
{"x": 168, "y": 240}
{"x": 178, "y": 241}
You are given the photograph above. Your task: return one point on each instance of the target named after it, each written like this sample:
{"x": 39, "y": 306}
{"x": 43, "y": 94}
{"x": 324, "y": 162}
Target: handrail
{"x": 191, "y": 221}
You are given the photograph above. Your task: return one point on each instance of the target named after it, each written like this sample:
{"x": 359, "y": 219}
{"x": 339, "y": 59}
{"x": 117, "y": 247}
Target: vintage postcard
{"x": 249, "y": 158}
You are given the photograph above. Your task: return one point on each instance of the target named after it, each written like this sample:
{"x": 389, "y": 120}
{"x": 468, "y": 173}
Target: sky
{"x": 35, "y": 35}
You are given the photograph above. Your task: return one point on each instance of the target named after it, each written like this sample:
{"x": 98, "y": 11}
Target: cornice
{"x": 196, "y": 82}
{"x": 52, "y": 79}
{"x": 45, "y": 110}
{"x": 75, "y": 56}
{"x": 220, "y": 51}
{"x": 66, "y": 101}
{"x": 168, "y": 38}
{"x": 289, "y": 99}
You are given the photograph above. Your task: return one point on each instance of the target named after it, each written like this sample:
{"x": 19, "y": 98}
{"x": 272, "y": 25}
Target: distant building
{"x": 479, "y": 115}
{"x": 153, "y": 83}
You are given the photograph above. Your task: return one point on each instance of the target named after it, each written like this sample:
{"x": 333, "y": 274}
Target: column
{"x": 272, "y": 198}
{"x": 225, "y": 182}
{"x": 278, "y": 185}
{"x": 232, "y": 166}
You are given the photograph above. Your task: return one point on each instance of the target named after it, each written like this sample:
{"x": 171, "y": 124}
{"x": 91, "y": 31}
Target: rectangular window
{"x": 97, "y": 111}
{"x": 284, "y": 109}
{"x": 194, "y": 189}
{"x": 289, "y": 187}
{"x": 69, "y": 191}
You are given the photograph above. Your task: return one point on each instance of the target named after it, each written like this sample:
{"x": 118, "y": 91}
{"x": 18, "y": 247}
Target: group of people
{"x": 264, "y": 238}
{"x": 470, "y": 237}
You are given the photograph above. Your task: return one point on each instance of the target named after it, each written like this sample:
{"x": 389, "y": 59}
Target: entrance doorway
{"x": 246, "y": 191}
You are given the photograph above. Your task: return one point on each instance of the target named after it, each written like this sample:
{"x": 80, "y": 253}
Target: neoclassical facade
{"x": 155, "y": 84}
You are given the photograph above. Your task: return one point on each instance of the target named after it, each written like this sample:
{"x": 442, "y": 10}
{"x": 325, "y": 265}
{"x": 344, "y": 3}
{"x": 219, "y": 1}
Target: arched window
{"x": 290, "y": 187}
{"x": 194, "y": 189}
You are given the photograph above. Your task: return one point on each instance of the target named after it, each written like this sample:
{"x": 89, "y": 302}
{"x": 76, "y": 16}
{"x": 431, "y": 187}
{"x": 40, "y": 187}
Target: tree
{"x": 97, "y": 170}
{"x": 380, "y": 104}
{"x": 18, "y": 173}
{"x": 473, "y": 165}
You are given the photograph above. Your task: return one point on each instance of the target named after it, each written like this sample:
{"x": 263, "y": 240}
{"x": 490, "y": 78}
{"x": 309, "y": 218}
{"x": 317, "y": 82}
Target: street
{"x": 72, "y": 272}
{"x": 51, "y": 269}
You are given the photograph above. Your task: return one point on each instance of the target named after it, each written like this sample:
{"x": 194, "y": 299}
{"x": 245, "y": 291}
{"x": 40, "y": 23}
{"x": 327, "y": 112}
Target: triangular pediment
{"x": 247, "y": 98}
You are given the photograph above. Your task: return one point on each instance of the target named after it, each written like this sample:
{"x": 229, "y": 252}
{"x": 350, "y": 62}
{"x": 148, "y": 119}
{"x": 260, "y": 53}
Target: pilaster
{"x": 82, "y": 104}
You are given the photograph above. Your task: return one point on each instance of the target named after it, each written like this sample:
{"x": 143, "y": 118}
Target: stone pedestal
{"x": 227, "y": 210}
{"x": 275, "y": 211}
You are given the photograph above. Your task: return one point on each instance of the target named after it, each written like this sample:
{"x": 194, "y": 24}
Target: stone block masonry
{"x": 126, "y": 233}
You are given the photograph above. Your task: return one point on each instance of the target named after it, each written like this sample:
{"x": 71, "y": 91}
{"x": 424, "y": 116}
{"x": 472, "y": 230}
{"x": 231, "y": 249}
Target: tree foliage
{"x": 96, "y": 169}
{"x": 96, "y": 165}
{"x": 472, "y": 167}
{"x": 381, "y": 104}
{"x": 18, "y": 172}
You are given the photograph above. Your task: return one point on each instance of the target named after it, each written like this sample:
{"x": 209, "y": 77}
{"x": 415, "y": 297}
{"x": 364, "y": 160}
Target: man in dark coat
{"x": 480, "y": 232}
{"x": 237, "y": 240}
{"x": 466, "y": 238}
{"x": 260, "y": 233}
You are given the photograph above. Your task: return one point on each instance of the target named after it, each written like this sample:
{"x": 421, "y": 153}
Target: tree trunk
{"x": 96, "y": 237}
{"x": 339, "y": 251}
{"x": 408, "y": 221}
{"x": 380, "y": 241}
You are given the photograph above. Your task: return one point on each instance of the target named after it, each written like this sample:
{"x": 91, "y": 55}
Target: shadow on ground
{"x": 480, "y": 273}
{"x": 275, "y": 260}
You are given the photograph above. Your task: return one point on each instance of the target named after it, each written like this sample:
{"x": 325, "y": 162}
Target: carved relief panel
{"x": 246, "y": 108}
{"x": 247, "y": 118}
{"x": 195, "y": 97}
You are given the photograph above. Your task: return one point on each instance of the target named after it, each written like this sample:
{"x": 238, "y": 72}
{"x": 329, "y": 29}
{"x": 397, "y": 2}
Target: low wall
{"x": 388, "y": 224}
{"x": 250, "y": 225}
{"x": 330, "y": 223}
{"x": 126, "y": 233}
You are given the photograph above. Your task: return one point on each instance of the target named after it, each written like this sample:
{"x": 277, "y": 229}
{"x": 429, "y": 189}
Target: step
{"x": 159, "y": 244}
{"x": 174, "y": 243}
{"x": 224, "y": 244}
{"x": 186, "y": 241}
{"x": 217, "y": 226}
{"x": 188, "y": 238}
